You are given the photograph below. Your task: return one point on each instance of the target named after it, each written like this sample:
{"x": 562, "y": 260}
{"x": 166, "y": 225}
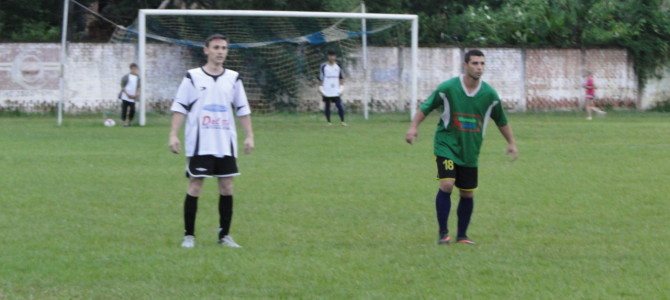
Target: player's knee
{"x": 193, "y": 191}
{"x": 194, "y": 186}
{"x": 446, "y": 185}
{"x": 226, "y": 186}
{"x": 467, "y": 194}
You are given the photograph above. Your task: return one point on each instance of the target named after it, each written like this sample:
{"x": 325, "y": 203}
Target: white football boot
{"x": 189, "y": 242}
{"x": 229, "y": 242}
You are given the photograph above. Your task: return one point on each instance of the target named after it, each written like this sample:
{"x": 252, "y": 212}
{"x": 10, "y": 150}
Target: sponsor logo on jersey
{"x": 215, "y": 123}
{"x": 215, "y": 108}
{"x": 467, "y": 122}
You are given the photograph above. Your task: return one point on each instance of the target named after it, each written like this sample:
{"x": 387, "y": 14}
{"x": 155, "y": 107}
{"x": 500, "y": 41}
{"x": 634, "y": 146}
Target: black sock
{"x": 326, "y": 110}
{"x": 465, "y": 207}
{"x": 442, "y": 207}
{"x": 190, "y": 210}
{"x": 225, "y": 214}
{"x": 340, "y": 110}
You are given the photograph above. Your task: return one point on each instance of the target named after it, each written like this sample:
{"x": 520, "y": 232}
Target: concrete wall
{"x": 616, "y": 81}
{"x": 29, "y": 74}
{"x": 541, "y": 79}
{"x": 656, "y": 90}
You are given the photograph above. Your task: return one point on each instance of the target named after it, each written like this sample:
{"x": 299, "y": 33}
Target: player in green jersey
{"x": 468, "y": 104}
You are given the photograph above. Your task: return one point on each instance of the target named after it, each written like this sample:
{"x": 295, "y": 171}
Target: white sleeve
{"x": 240, "y": 99}
{"x": 183, "y": 99}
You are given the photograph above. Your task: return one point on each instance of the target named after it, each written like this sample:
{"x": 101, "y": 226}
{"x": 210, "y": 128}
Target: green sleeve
{"x": 431, "y": 103}
{"x": 498, "y": 114}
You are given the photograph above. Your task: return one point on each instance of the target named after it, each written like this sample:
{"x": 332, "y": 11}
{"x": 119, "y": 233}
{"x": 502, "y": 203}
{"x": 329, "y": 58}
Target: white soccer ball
{"x": 109, "y": 123}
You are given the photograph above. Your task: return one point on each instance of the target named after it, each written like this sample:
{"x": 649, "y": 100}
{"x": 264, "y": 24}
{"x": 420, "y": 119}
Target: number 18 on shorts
{"x": 465, "y": 177}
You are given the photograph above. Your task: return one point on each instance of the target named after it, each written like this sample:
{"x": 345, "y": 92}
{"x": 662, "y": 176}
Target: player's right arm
{"x": 180, "y": 107}
{"x": 321, "y": 78}
{"x": 430, "y": 104}
{"x": 173, "y": 141}
{"x": 341, "y": 81}
{"x": 413, "y": 131}
{"x": 124, "y": 81}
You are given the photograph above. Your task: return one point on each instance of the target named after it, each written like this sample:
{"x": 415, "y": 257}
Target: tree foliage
{"x": 641, "y": 26}
{"x": 21, "y": 21}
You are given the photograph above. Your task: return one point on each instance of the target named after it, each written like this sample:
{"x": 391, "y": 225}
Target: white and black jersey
{"x": 210, "y": 103}
{"x": 330, "y": 76}
{"x": 129, "y": 83}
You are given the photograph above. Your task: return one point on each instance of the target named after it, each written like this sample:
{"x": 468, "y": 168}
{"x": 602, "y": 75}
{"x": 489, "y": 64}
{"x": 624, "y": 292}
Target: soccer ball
{"x": 109, "y": 123}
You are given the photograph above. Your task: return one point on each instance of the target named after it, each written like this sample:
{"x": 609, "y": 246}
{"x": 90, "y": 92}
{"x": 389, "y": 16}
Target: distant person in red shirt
{"x": 590, "y": 87}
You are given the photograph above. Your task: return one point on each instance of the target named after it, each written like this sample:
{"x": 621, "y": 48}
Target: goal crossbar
{"x": 142, "y": 35}
{"x": 269, "y": 13}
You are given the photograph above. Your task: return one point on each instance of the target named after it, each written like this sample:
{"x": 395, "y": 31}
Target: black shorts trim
{"x": 211, "y": 166}
{"x": 465, "y": 177}
{"x": 332, "y": 99}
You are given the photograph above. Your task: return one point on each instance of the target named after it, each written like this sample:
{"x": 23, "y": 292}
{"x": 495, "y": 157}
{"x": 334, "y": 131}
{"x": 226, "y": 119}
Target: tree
{"x": 642, "y": 27}
{"x": 32, "y": 21}
{"x": 639, "y": 26}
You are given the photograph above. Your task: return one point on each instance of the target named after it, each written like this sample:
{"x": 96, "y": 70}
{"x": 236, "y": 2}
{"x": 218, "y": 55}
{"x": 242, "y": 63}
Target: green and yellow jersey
{"x": 462, "y": 126}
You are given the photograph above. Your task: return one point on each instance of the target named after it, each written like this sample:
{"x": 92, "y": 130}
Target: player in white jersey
{"x": 331, "y": 86}
{"x": 130, "y": 88}
{"x": 209, "y": 98}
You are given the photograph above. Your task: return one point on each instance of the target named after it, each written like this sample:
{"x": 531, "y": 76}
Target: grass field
{"x": 89, "y": 212}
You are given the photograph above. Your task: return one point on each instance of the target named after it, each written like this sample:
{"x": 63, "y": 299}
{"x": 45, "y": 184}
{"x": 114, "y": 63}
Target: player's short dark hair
{"x": 473, "y": 52}
{"x": 331, "y": 52}
{"x": 133, "y": 65}
{"x": 216, "y": 36}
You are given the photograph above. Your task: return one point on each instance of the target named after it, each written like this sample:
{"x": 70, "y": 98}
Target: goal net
{"x": 278, "y": 54}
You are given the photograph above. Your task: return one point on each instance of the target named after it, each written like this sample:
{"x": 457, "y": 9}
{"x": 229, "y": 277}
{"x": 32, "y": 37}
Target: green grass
{"x": 89, "y": 212}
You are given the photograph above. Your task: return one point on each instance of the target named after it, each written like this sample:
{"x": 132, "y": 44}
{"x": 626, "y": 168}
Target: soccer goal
{"x": 278, "y": 53}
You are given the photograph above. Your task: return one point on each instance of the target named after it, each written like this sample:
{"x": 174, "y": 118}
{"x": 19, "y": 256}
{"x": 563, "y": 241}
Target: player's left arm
{"x": 249, "y": 133}
{"x": 506, "y": 131}
{"x": 138, "y": 89}
{"x": 499, "y": 116}
{"x": 341, "y": 81}
{"x": 244, "y": 114}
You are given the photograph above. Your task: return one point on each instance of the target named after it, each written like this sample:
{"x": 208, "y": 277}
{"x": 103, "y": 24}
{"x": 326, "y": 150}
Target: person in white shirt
{"x": 130, "y": 89}
{"x": 331, "y": 86}
{"x": 209, "y": 98}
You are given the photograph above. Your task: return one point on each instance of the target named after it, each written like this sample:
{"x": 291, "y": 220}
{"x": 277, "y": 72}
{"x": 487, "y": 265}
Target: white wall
{"x": 524, "y": 78}
{"x": 656, "y": 90}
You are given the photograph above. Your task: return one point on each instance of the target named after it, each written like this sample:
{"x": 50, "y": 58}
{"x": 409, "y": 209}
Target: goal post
{"x": 142, "y": 36}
